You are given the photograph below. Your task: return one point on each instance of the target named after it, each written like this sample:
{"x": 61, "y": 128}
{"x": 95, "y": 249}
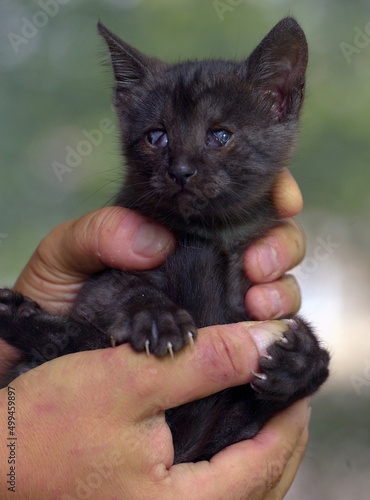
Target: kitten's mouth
{"x": 184, "y": 193}
{"x": 185, "y": 196}
{"x": 190, "y": 204}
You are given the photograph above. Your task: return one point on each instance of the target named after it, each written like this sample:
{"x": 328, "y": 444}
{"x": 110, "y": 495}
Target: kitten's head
{"x": 205, "y": 140}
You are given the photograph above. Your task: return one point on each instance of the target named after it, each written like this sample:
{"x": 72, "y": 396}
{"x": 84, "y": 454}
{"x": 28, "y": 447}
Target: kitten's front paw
{"x": 15, "y": 308}
{"x": 155, "y": 330}
{"x": 295, "y": 367}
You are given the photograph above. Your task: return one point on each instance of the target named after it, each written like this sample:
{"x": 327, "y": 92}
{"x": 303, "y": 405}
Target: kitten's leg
{"x": 130, "y": 307}
{"x": 112, "y": 308}
{"x": 295, "y": 367}
{"x": 39, "y": 335}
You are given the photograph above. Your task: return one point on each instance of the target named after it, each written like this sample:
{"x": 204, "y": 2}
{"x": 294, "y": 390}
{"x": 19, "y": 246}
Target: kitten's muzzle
{"x": 181, "y": 174}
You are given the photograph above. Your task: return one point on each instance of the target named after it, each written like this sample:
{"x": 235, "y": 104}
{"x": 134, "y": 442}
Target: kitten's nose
{"x": 182, "y": 173}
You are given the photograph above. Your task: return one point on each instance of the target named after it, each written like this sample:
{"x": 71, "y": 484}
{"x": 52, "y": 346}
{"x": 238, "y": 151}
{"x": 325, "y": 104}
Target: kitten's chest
{"x": 197, "y": 276}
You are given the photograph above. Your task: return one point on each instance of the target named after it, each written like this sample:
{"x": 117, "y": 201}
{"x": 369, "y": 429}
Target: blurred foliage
{"x": 54, "y": 85}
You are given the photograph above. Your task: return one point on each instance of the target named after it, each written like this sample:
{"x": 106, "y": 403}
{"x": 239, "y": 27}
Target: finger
{"x": 223, "y": 356}
{"x": 291, "y": 468}
{"x": 275, "y": 300}
{"x": 116, "y": 237}
{"x": 113, "y": 237}
{"x": 281, "y": 250}
{"x": 287, "y": 196}
{"x": 264, "y": 457}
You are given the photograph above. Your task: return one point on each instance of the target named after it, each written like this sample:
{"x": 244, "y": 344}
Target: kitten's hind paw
{"x": 295, "y": 366}
{"x": 13, "y": 303}
{"x": 15, "y": 309}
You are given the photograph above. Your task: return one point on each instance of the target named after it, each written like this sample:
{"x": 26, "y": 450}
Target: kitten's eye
{"x": 157, "y": 138}
{"x": 218, "y": 138}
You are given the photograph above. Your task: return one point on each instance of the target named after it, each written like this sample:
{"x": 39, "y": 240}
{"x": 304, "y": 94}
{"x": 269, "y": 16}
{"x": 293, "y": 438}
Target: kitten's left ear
{"x": 277, "y": 68}
{"x": 130, "y": 66}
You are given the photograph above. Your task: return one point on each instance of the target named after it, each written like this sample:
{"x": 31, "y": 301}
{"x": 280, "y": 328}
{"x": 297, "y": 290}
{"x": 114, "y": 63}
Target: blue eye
{"x": 157, "y": 138}
{"x": 218, "y": 138}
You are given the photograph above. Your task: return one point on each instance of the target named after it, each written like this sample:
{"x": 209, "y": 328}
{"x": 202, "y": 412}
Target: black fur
{"x": 204, "y": 143}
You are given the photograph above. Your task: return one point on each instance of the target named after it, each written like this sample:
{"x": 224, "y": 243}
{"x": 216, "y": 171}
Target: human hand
{"x": 91, "y": 425}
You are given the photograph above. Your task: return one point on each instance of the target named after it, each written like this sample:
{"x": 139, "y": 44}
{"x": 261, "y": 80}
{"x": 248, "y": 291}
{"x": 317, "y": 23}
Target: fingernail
{"x": 273, "y": 303}
{"x": 266, "y": 333}
{"x": 151, "y": 239}
{"x": 267, "y": 259}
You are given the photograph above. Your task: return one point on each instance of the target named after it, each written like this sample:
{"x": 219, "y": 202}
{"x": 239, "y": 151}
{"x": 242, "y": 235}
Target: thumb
{"x": 110, "y": 237}
{"x": 223, "y": 356}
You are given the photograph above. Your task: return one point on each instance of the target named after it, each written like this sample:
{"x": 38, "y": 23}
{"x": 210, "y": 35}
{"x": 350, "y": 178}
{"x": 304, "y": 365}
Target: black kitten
{"x": 204, "y": 143}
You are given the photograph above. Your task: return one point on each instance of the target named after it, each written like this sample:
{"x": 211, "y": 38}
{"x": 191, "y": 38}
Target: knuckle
{"x": 222, "y": 357}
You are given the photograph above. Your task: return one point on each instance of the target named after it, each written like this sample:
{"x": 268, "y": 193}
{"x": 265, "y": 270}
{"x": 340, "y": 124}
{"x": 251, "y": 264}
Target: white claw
{"x": 113, "y": 342}
{"x": 284, "y": 340}
{"x": 291, "y": 323}
{"x": 170, "y": 349}
{"x": 261, "y": 376}
{"x": 255, "y": 388}
{"x": 191, "y": 340}
{"x": 147, "y": 348}
{"x": 267, "y": 356}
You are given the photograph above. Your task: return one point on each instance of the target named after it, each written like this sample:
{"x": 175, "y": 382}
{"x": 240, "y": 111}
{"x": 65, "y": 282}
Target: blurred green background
{"x": 53, "y": 86}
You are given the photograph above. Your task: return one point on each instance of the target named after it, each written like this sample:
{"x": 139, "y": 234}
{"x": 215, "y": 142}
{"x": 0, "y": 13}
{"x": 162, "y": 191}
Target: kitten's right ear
{"x": 130, "y": 66}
